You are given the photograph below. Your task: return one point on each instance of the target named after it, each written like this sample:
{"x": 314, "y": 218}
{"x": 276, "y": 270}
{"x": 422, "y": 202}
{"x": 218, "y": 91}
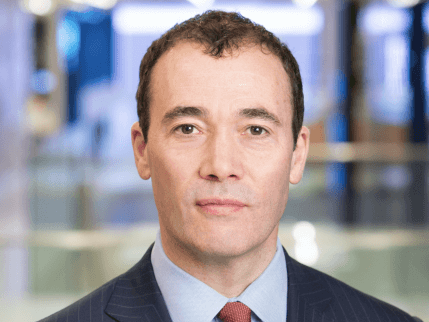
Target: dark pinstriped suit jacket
{"x": 312, "y": 297}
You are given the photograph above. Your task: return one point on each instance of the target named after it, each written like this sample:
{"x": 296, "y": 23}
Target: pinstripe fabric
{"x": 312, "y": 297}
{"x": 316, "y": 297}
{"x": 130, "y": 297}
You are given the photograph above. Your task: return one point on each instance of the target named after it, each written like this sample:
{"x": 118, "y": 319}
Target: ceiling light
{"x": 40, "y": 7}
{"x": 202, "y": 3}
{"x": 304, "y": 3}
{"x": 403, "y": 3}
{"x": 101, "y": 4}
{"x": 378, "y": 20}
{"x": 137, "y": 18}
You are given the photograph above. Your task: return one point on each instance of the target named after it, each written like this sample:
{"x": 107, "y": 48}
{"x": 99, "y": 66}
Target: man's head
{"x": 220, "y": 33}
{"x": 220, "y": 128}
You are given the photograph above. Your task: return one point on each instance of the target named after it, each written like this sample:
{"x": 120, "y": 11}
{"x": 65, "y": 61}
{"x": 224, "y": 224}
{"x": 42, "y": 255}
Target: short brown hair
{"x": 219, "y": 32}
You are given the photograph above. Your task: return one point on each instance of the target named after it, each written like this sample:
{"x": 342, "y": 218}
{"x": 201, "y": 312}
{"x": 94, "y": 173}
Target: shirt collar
{"x": 189, "y": 299}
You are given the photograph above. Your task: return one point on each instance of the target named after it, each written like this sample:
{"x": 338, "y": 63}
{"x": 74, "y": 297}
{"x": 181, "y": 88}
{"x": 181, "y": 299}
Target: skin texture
{"x": 220, "y": 156}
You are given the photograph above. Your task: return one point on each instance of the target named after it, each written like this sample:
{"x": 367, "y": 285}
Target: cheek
{"x": 276, "y": 197}
{"x": 273, "y": 177}
{"x": 161, "y": 177}
{"x": 271, "y": 168}
{"x": 277, "y": 186}
{"x": 180, "y": 165}
{"x": 170, "y": 172}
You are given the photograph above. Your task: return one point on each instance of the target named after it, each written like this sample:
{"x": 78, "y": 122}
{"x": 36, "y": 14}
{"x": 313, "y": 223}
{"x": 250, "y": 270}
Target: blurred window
{"x": 386, "y": 69}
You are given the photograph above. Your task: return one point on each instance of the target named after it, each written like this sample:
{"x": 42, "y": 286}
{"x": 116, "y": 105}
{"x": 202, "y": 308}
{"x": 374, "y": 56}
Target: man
{"x": 220, "y": 133}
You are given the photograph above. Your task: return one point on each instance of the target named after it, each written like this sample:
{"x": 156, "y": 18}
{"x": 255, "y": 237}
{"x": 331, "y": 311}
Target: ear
{"x": 299, "y": 156}
{"x": 140, "y": 151}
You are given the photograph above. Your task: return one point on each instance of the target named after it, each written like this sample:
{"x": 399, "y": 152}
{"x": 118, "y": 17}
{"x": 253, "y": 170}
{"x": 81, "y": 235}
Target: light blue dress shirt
{"x": 190, "y": 300}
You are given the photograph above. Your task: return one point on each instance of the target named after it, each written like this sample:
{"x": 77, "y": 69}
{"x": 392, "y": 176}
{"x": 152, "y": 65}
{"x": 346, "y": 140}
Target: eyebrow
{"x": 201, "y": 112}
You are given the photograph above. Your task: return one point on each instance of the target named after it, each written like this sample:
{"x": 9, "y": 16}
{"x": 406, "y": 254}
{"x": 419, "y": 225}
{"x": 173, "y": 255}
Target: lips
{"x": 220, "y": 202}
{"x": 220, "y": 207}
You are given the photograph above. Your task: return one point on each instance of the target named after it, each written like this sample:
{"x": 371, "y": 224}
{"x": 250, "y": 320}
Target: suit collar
{"x": 189, "y": 299}
{"x": 136, "y": 296}
{"x": 308, "y": 293}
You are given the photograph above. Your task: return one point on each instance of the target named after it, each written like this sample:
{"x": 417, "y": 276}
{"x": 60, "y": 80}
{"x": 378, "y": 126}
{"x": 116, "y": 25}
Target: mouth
{"x": 220, "y": 207}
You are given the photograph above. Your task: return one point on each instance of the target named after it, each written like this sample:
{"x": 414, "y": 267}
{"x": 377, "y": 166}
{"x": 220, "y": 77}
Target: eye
{"x": 185, "y": 128}
{"x": 257, "y": 130}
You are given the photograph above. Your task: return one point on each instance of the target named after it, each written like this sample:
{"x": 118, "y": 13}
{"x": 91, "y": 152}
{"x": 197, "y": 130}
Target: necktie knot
{"x": 235, "y": 312}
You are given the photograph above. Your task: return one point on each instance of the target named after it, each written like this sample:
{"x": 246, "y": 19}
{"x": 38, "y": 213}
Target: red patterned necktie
{"x": 235, "y": 312}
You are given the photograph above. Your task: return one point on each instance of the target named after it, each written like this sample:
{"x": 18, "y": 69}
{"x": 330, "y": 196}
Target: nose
{"x": 221, "y": 159}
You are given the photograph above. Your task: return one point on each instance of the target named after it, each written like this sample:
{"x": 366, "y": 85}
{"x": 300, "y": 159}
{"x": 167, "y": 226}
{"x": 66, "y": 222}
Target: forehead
{"x": 186, "y": 73}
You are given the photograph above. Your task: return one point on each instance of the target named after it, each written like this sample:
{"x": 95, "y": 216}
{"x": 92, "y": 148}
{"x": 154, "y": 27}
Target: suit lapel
{"x": 137, "y": 297}
{"x": 308, "y": 295}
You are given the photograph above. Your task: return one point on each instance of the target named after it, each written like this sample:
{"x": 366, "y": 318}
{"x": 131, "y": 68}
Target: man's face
{"x": 226, "y": 152}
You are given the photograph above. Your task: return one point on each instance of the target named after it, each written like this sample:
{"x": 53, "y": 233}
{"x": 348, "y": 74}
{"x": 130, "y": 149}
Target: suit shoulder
{"x": 350, "y": 304}
{"x": 88, "y": 308}
{"x": 91, "y": 307}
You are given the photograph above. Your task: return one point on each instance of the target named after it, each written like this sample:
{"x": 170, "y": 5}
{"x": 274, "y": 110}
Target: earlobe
{"x": 299, "y": 156}
{"x": 140, "y": 151}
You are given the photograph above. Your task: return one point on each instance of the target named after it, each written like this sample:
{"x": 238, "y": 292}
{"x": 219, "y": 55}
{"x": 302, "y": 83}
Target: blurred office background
{"x": 74, "y": 212}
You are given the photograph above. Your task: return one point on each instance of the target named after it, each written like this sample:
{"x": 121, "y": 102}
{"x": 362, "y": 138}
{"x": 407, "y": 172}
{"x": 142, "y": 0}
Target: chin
{"x": 232, "y": 245}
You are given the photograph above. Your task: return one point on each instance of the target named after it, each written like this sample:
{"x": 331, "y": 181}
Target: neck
{"x": 229, "y": 276}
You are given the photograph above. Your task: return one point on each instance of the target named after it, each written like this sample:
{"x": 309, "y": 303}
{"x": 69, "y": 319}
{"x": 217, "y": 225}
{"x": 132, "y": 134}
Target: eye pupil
{"x": 187, "y": 128}
{"x": 259, "y": 130}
